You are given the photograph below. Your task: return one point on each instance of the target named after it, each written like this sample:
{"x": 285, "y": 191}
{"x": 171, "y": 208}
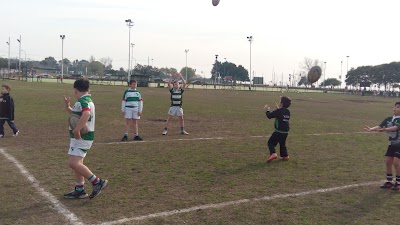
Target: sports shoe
{"x": 137, "y": 138}
{"x": 1, "y": 135}
{"x": 286, "y": 158}
{"x": 396, "y": 186}
{"x": 76, "y": 194}
{"x": 97, "y": 188}
{"x": 16, "y": 133}
{"x": 165, "y": 131}
{"x": 387, "y": 184}
{"x": 272, "y": 157}
{"x": 124, "y": 138}
{"x": 184, "y": 132}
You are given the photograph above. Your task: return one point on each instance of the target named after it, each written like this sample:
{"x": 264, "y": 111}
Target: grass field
{"x": 221, "y": 162}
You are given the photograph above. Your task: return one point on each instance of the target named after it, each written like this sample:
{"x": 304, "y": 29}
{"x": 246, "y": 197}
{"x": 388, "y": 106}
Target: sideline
{"x": 71, "y": 217}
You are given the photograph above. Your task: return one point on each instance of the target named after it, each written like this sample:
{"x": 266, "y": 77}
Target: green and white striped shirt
{"x": 85, "y": 103}
{"x": 176, "y": 96}
{"x": 132, "y": 98}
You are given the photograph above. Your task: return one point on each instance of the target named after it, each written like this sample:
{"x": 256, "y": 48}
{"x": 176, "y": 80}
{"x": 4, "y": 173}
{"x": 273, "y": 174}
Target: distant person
{"x": 282, "y": 117}
{"x": 7, "y": 110}
{"x": 132, "y": 107}
{"x": 176, "y": 104}
{"x": 80, "y": 144}
{"x": 391, "y": 126}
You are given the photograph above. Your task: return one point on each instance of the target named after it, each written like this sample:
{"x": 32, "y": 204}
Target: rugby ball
{"x": 314, "y": 74}
{"x": 73, "y": 121}
{"x": 215, "y": 2}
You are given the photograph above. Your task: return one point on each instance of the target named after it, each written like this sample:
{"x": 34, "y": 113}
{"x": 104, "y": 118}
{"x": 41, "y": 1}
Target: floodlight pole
{"x": 19, "y": 55}
{"x": 62, "y": 57}
{"x": 130, "y": 24}
{"x": 9, "y": 62}
{"x": 186, "y": 51}
{"x": 347, "y": 73}
{"x": 324, "y": 75}
{"x": 131, "y": 58}
{"x": 216, "y": 70}
{"x": 250, "y": 39}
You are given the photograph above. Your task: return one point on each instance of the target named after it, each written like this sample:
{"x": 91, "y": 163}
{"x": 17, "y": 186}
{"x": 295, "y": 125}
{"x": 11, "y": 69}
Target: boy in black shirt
{"x": 7, "y": 110}
{"x": 282, "y": 117}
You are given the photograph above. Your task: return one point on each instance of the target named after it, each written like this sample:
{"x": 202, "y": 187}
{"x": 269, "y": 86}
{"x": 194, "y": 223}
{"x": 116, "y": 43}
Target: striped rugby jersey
{"x": 394, "y": 137}
{"x": 176, "y": 96}
{"x": 132, "y": 98}
{"x": 85, "y": 103}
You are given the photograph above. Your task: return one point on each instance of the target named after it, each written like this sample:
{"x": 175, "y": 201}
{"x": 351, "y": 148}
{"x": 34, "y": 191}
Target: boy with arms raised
{"x": 80, "y": 144}
{"x": 282, "y": 117}
{"x": 391, "y": 126}
{"x": 176, "y": 104}
{"x": 131, "y": 107}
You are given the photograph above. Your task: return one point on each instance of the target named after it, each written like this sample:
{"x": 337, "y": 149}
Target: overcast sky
{"x": 284, "y": 31}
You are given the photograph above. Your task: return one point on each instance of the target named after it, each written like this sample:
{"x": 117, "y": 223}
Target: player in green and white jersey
{"x": 176, "y": 104}
{"x": 132, "y": 107}
{"x": 80, "y": 144}
{"x": 391, "y": 125}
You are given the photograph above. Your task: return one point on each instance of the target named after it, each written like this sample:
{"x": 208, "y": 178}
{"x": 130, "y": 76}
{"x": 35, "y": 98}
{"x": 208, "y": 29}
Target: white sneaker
{"x": 184, "y": 132}
{"x": 16, "y": 134}
{"x": 1, "y": 135}
{"x": 165, "y": 131}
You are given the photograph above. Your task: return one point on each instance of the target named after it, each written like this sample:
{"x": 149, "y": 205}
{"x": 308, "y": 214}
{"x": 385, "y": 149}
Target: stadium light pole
{"x": 19, "y": 55}
{"x": 216, "y": 70}
{"x": 130, "y": 24}
{"x": 186, "y": 52}
{"x": 324, "y": 75}
{"x": 347, "y": 73}
{"x": 250, "y": 39}
{"x": 9, "y": 68}
{"x": 26, "y": 65}
{"x": 62, "y": 57}
{"x": 341, "y": 72}
{"x": 131, "y": 58}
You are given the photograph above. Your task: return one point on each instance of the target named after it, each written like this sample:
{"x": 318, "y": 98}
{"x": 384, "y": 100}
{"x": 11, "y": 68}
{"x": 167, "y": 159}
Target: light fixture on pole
{"x": 186, "y": 51}
{"x": 62, "y": 57}
{"x": 131, "y": 58}
{"x": 9, "y": 69}
{"x": 250, "y": 39}
{"x": 19, "y": 55}
{"x": 130, "y": 24}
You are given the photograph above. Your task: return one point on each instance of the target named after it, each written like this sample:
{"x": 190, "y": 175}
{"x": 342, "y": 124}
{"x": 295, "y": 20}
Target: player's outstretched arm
{"x": 183, "y": 81}
{"x": 67, "y": 101}
{"x": 369, "y": 129}
{"x": 169, "y": 82}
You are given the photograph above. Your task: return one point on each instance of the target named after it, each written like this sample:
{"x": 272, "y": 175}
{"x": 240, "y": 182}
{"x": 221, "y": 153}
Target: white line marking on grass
{"x": 237, "y": 202}
{"x": 71, "y": 217}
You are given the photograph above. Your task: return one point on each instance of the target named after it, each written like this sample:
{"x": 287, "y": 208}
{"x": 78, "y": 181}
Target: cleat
{"x": 272, "y": 157}
{"x": 76, "y": 194}
{"x": 16, "y": 133}
{"x": 286, "y": 158}
{"x": 165, "y": 131}
{"x": 97, "y": 188}
{"x": 184, "y": 132}
{"x": 124, "y": 138}
{"x": 387, "y": 184}
{"x": 137, "y": 138}
{"x": 395, "y": 187}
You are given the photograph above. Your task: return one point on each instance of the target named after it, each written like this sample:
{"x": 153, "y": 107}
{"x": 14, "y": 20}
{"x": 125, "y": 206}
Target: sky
{"x": 284, "y": 33}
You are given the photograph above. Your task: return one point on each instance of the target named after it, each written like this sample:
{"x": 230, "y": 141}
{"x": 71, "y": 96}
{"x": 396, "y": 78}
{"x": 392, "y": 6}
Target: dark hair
{"x": 132, "y": 81}
{"x": 82, "y": 85}
{"x": 7, "y": 86}
{"x": 397, "y": 103}
{"x": 286, "y": 101}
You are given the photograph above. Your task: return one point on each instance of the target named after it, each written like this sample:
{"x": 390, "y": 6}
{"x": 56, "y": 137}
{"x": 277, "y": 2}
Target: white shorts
{"x": 175, "y": 111}
{"x": 79, "y": 147}
{"x": 131, "y": 113}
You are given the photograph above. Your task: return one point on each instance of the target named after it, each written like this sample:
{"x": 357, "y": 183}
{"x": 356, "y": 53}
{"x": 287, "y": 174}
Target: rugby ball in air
{"x": 73, "y": 121}
{"x": 215, "y": 2}
{"x": 314, "y": 74}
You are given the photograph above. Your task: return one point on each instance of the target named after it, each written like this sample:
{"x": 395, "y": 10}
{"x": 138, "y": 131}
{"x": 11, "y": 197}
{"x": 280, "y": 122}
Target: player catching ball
{"x": 176, "y": 104}
{"x": 391, "y": 126}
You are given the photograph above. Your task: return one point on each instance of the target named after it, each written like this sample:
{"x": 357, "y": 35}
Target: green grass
{"x": 165, "y": 173}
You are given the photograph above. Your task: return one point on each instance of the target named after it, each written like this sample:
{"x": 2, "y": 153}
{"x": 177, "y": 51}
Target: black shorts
{"x": 393, "y": 151}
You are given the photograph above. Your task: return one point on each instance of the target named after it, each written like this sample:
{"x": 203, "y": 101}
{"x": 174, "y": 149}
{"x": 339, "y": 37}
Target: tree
{"x": 303, "y": 81}
{"x": 96, "y": 68}
{"x": 230, "y": 69}
{"x": 49, "y": 62}
{"x": 331, "y": 82}
{"x": 307, "y": 63}
{"x": 191, "y": 73}
{"x": 107, "y": 62}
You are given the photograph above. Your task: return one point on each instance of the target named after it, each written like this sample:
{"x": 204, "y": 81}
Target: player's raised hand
{"x": 67, "y": 100}
{"x": 267, "y": 108}
{"x": 367, "y": 128}
{"x": 277, "y": 105}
